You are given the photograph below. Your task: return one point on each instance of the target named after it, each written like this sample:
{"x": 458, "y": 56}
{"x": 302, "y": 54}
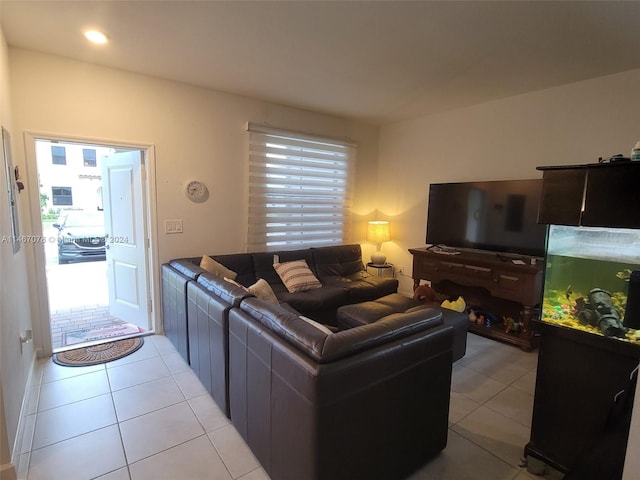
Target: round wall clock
{"x": 196, "y": 191}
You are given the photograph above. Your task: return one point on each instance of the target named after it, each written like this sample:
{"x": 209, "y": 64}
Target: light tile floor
{"x": 146, "y": 416}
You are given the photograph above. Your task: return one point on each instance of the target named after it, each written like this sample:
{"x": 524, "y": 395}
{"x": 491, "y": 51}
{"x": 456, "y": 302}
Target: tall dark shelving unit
{"x": 580, "y": 373}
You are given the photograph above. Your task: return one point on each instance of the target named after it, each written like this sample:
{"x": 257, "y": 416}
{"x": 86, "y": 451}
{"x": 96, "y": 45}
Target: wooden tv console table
{"x": 505, "y": 285}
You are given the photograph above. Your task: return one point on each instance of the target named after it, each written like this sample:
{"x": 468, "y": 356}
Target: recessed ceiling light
{"x": 95, "y": 36}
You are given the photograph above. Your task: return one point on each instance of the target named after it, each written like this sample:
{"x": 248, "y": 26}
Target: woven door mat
{"x": 95, "y": 354}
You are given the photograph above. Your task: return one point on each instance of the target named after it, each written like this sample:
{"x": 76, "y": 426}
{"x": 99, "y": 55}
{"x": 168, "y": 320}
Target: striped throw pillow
{"x": 297, "y": 276}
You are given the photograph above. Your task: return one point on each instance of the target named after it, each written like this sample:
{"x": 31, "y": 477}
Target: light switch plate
{"x": 173, "y": 226}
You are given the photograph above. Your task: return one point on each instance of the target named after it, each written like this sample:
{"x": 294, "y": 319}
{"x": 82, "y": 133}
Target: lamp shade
{"x": 378, "y": 232}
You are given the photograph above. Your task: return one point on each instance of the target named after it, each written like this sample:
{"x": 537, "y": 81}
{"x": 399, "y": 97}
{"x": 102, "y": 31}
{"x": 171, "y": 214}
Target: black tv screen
{"x": 498, "y": 216}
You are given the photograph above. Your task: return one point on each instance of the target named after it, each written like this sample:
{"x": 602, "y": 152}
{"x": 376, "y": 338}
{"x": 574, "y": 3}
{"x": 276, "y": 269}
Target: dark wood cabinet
{"x": 579, "y": 373}
{"x": 595, "y": 195}
{"x": 561, "y": 197}
{"x": 578, "y": 376}
{"x": 503, "y": 285}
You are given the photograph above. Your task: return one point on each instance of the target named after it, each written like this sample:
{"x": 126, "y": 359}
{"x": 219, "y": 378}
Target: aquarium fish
{"x": 568, "y": 292}
{"x": 624, "y": 274}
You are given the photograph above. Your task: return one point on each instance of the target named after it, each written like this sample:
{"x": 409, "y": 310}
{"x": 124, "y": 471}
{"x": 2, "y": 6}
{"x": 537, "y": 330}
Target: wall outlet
{"x": 400, "y": 269}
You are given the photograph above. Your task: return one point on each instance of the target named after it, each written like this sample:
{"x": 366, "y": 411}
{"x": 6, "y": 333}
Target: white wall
{"x": 499, "y": 140}
{"x": 504, "y": 139}
{"x": 198, "y": 134}
{"x": 15, "y": 315}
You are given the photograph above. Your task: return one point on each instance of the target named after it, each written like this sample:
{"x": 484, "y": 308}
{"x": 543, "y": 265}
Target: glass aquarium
{"x": 592, "y": 281}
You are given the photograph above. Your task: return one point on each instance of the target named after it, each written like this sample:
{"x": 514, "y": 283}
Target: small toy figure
{"x": 516, "y": 327}
{"x": 508, "y": 324}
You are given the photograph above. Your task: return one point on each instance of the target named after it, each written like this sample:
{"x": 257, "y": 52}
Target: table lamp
{"x": 378, "y": 232}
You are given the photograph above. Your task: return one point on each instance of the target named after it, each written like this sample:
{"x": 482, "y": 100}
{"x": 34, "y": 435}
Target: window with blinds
{"x": 299, "y": 190}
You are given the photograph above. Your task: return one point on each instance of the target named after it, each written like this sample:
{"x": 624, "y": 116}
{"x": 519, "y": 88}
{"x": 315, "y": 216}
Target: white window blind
{"x": 299, "y": 193}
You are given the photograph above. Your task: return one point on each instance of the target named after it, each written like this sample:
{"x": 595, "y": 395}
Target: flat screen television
{"x": 498, "y": 216}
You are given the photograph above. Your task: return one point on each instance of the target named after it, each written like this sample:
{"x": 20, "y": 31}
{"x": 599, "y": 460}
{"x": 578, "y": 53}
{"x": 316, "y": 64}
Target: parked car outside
{"x": 81, "y": 236}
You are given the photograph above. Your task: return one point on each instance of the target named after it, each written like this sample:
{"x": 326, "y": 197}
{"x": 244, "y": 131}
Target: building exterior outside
{"x": 70, "y": 176}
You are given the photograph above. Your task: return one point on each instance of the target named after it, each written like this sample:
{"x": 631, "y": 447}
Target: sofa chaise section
{"x": 369, "y": 402}
{"x": 350, "y": 316}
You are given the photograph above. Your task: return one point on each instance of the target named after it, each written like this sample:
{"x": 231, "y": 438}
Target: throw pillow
{"x": 319, "y": 326}
{"x": 263, "y": 291}
{"x": 216, "y": 268}
{"x": 297, "y": 276}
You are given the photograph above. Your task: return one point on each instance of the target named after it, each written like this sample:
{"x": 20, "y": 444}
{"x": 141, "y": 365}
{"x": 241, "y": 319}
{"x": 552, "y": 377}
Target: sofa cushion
{"x": 362, "y": 286}
{"x": 242, "y": 264}
{"x": 341, "y": 266}
{"x": 339, "y": 260}
{"x": 390, "y": 328}
{"x": 216, "y": 268}
{"x": 362, "y": 314}
{"x": 297, "y": 276}
{"x": 365, "y": 313}
{"x": 311, "y": 301}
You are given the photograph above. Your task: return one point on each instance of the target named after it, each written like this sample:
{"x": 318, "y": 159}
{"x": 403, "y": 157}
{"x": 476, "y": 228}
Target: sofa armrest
{"x": 225, "y": 291}
{"x": 187, "y": 267}
{"x": 174, "y": 308}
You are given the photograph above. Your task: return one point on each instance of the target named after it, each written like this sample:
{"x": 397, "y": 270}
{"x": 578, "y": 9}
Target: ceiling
{"x": 375, "y": 61}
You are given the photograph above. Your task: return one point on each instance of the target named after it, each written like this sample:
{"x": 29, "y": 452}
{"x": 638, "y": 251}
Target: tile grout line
{"x": 115, "y": 412}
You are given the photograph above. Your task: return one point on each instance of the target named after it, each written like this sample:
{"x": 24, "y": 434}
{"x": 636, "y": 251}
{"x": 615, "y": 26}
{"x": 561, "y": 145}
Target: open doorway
{"x": 97, "y": 291}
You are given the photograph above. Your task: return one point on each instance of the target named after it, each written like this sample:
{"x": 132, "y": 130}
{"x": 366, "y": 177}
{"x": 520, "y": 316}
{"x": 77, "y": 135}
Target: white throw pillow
{"x": 297, "y": 276}
{"x": 216, "y": 268}
{"x": 319, "y": 326}
{"x": 262, "y": 290}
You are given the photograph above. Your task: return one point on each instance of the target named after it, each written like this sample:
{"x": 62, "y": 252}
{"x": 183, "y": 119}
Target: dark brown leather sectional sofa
{"x": 369, "y": 401}
{"x": 339, "y": 268}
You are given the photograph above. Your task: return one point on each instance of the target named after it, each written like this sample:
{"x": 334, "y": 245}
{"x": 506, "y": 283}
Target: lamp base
{"x": 378, "y": 258}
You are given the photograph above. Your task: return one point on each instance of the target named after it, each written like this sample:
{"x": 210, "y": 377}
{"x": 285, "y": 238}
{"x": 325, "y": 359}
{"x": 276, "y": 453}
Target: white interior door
{"x": 123, "y": 200}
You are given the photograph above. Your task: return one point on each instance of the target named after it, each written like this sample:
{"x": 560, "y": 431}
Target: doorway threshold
{"x": 87, "y": 325}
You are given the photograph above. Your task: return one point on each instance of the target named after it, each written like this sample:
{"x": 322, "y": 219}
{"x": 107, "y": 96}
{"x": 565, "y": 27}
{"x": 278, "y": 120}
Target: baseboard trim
{"x": 17, "y": 452}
